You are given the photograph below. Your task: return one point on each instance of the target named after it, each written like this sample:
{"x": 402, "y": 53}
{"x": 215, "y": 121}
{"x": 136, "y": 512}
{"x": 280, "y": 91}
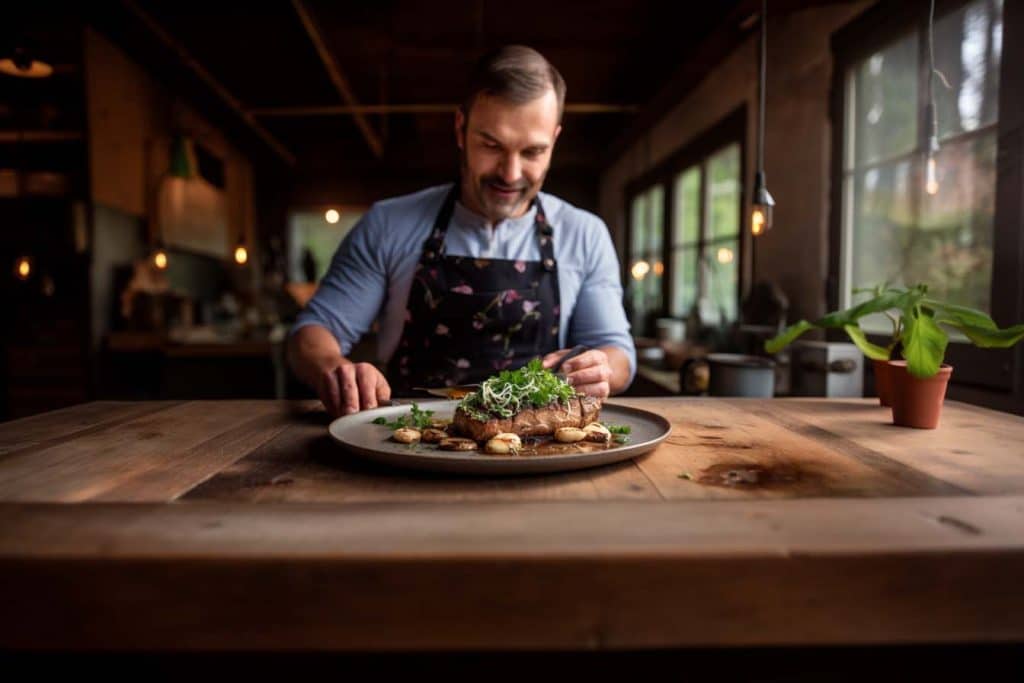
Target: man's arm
{"x": 599, "y": 321}
{"x": 343, "y": 386}
{"x": 346, "y": 303}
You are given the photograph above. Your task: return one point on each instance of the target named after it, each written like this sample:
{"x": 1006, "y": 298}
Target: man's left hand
{"x": 589, "y": 373}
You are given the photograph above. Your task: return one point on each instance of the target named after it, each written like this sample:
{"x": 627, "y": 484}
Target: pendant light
{"x": 763, "y": 203}
{"x": 21, "y": 64}
{"x": 931, "y": 176}
{"x": 241, "y": 252}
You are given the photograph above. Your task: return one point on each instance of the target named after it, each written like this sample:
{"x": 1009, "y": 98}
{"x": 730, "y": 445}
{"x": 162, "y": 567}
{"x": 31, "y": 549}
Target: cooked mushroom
{"x": 505, "y": 443}
{"x": 597, "y": 432}
{"x": 456, "y": 443}
{"x": 431, "y": 435}
{"x": 569, "y": 434}
{"x": 439, "y": 423}
{"x": 406, "y": 435}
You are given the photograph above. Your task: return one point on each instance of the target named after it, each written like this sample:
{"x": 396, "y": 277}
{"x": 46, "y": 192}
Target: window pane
{"x": 953, "y": 252}
{"x": 652, "y": 282}
{"x": 722, "y": 259}
{"x": 656, "y": 218}
{"x": 968, "y": 43}
{"x": 687, "y": 206}
{"x": 312, "y": 241}
{"x": 684, "y": 280}
{"x": 883, "y": 224}
{"x": 638, "y": 226}
{"x": 724, "y": 193}
{"x": 885, "y": 121}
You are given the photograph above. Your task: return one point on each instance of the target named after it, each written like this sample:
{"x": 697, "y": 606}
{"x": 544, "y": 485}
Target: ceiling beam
{"x": 337, "y": 77}
{"x": 356, "y": 110}
{"x": 207, "y": 78}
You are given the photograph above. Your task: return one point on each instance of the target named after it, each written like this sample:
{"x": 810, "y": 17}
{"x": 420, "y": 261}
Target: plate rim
{"x": 499, "y": 465}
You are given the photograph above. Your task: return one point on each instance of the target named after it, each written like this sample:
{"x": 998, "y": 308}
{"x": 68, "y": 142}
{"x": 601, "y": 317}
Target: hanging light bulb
{"x": 931, "y": 176}
{"x": 21, "y": 64}
{"x": 725, "y": 255}
{"x": 931, "y": 183}
{"x": 332, "y": 216}
{"x": 241, "y": 254}
{"x": 763, "y": 204}
{"x": 160, "y": 259}
{"x": 23, "y": 268}
{"x": 761, "y": 209}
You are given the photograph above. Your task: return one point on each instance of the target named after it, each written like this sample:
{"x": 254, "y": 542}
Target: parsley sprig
{"x": 416, "y": 417}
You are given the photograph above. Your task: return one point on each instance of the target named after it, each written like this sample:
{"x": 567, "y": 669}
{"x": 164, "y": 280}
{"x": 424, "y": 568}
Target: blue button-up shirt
{"x": 372, "y": 271}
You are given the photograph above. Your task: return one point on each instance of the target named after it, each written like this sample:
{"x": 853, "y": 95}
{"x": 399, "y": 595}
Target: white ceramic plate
{"x": 359, "y": 435}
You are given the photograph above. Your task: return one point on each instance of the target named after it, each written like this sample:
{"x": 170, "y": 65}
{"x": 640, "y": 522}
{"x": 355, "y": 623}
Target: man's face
{"x": 506, "y": 151}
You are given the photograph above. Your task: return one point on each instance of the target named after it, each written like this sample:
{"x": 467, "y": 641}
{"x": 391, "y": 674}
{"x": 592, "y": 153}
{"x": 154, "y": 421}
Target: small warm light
{"x": 241, "y": 255}
{"x": 659, "y": 268}
{"x": 332, "y": 216}
{"x": 160, "y": 259}
{"x": 931, "y": 184}
{"x": 640, "y": 270}
{"x": 725, "y": 255}
{"x": 757, "y": 221}
{"x": 24, "y": 67}
{"x": 23, "y": 268}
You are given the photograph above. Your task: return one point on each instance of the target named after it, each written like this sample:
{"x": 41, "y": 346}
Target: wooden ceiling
{"x": 614, "y": 53}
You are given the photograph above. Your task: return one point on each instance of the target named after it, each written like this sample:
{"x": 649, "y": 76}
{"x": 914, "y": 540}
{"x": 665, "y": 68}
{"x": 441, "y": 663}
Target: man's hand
{"x": 350, "y": 387}
{"x": 590, "y": 373}
{"x": 343, "y": 386}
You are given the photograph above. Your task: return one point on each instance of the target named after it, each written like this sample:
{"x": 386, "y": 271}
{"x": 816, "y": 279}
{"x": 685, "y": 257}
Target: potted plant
{"x": 920, "y": 323}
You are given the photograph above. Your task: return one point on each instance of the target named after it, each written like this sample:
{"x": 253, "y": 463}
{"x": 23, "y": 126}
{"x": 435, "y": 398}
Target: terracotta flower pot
{"x": 917, "y": 402}
{"x": 883, "y": 382}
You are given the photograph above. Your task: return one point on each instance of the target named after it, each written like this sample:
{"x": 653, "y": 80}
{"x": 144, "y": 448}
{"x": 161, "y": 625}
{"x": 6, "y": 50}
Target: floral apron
{"x": 467, "y": 318}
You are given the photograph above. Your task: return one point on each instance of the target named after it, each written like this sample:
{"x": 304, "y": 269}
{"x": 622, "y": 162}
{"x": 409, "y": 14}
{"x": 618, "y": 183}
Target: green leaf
{"x": 786, "y": 337}
{"x": 962, "y": 315}
{"x": 870, "y": 350}
{"x": 892, "y": 298}
{"x": 924, "y": 345}
{"x": 987, "y": 338}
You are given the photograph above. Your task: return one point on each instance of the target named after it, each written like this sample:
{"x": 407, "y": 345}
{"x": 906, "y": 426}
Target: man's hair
{"x": 515, "y": 73}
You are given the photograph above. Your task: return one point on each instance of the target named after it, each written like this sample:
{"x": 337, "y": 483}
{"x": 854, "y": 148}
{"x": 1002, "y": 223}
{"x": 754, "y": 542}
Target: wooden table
{"x": 238, "y": 525}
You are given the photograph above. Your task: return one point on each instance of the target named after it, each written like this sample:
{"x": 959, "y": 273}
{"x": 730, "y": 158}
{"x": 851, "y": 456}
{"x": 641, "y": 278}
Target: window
{"x": 706, "y": 245}
{"x": 893, "y": 230}
{"x": 312, "y": 242}
{"x": 685, "y": 232}
{"x": 967, "y": 240}
{"x": 646, "y": 244}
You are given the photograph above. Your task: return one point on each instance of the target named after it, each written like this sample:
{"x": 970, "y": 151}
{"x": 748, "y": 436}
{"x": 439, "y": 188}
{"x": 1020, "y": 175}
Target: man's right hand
{"x": 348, "y": 387}
{"x": 343, "y": 386}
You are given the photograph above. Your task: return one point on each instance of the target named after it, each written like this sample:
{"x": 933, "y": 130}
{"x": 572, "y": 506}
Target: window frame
{"x": 731, "y": 129}
{"x": 978, "y": 369}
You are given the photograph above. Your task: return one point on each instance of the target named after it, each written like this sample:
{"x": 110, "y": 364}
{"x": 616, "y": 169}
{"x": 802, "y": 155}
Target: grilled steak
{"x": 582, "y": 411}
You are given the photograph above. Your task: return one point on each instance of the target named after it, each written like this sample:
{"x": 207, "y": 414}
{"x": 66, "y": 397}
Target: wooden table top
{"x": 240, "y": 524}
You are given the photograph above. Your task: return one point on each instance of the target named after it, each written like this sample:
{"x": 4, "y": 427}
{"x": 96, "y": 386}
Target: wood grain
{"x": 384, "y": 577}
{"x": 154, "y": 457}
{"x": 978, "y": 449}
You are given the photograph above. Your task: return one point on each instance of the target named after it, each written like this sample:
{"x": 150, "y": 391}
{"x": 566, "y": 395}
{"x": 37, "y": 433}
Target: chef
{"x": 476, "y": 276}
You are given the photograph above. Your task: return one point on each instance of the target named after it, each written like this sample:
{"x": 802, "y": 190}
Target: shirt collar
{"x": 467, "y": 218}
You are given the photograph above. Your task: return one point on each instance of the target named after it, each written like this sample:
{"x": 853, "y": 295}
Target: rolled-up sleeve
{"x": 350, "y": 295}
{"x": 599, "y": 318}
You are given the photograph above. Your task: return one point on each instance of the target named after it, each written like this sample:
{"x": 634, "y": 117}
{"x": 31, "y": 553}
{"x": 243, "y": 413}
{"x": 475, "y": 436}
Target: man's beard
{"x": 495, "y": 207}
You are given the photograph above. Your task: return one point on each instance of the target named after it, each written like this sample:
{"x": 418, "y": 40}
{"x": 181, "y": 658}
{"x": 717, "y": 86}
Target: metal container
{"x": 733, "y": 374}
{"x": 830, "y": 369}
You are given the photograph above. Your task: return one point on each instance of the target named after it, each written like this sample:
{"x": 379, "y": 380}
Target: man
{"x": 470, "y": 278}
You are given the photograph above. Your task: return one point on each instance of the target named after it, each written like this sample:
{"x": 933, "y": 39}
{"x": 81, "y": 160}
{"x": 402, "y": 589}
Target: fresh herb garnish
{"x": 417, "y": 418}
{"x": 617, "y": 429}
{"x": 511, "y": 391}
